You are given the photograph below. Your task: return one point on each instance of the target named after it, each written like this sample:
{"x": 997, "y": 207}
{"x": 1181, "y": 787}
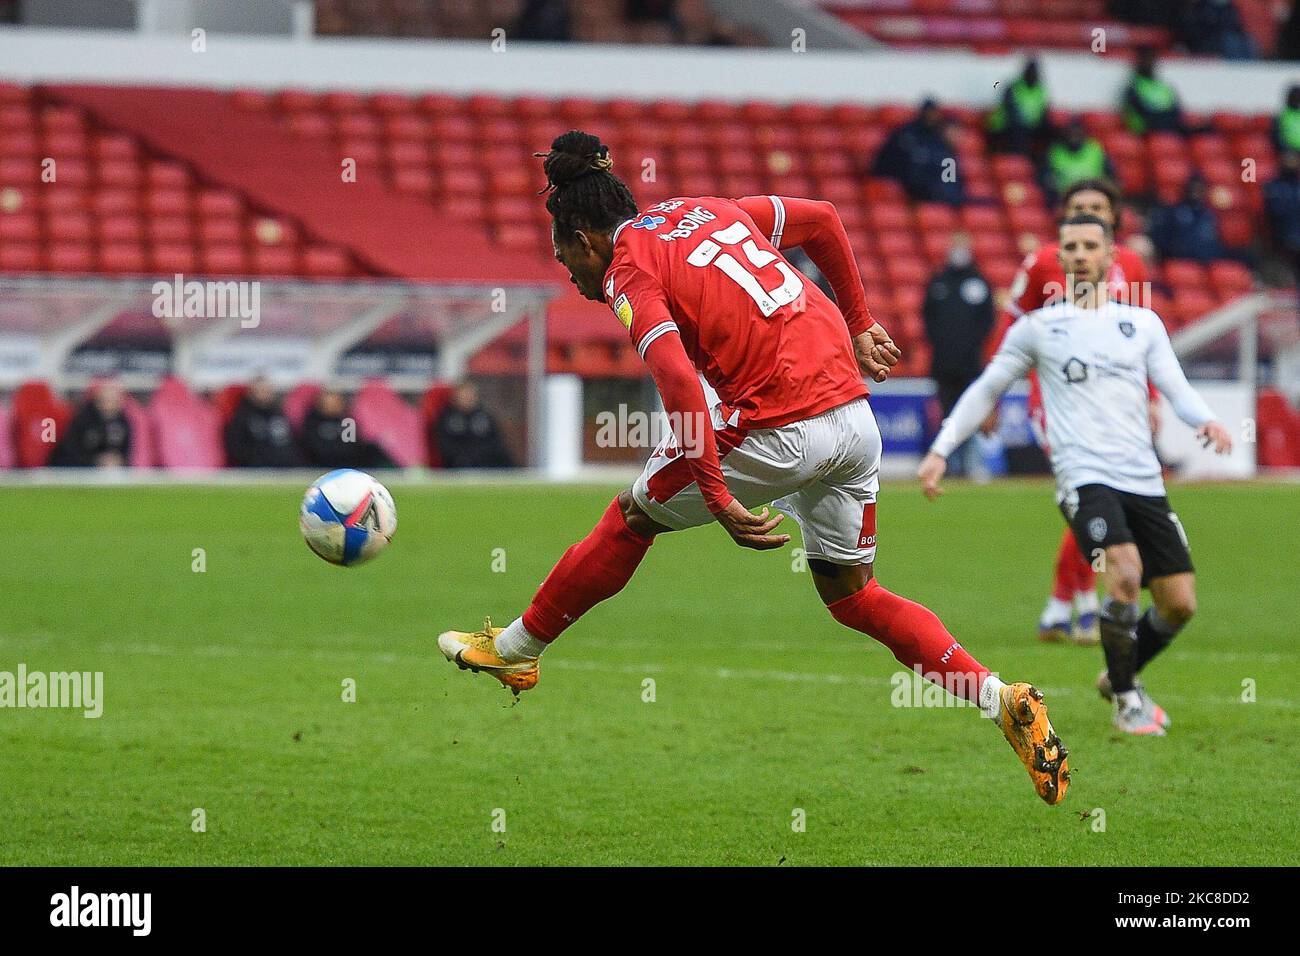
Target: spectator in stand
{"x": 258, "y": 433}
{"x": 99, "y": 435}
{"x": 1282, "y": 203}
{"x": 1150, "y": 104}
{"x": 1187, "y": 229}
{"x": 1286, "y": 125}
{"x": 1152, "y": 13}
{"x": 544, "y": 20}
{"x": 655, "y": 15}
{"x": 958, "y": 314}
{"x": 1020, "y": 123}
{"x": 921, "y": 156}
{"x": 466, "y": 433}
{"x": 1288, "y": 38}
{"x": 1213, "y": 28}
{"x": 330, "y": 440}
{"x": 1075, "y": 156}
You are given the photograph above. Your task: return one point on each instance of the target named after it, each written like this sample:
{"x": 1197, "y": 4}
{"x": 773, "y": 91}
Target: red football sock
{"x": 1085, "y": 578}
{"x": 592, "y": 570}
{"x": 1063, "y": 586}
{"x": 915, "y": 635}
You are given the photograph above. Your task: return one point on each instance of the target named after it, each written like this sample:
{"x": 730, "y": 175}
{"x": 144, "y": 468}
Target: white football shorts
{"x": 823, "y": 471}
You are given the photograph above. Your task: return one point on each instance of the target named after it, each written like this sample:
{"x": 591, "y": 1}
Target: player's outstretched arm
{"x": 1167, "y": 375}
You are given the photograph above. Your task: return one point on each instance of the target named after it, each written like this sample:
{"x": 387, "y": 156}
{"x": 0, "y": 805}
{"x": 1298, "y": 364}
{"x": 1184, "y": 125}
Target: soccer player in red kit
{"x": 702, "y": 289}
{"x": 1041, "y": 279}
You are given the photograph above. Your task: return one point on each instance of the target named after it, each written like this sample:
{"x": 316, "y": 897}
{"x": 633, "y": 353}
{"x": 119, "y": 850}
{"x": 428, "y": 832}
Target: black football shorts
{"x": 1101, "y": 516}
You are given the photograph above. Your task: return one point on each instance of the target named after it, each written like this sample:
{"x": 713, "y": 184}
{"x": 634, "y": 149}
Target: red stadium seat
{"x": 39, "y": 420}
{"x": 20, "y": 257}
{"x": 1278, "y": 430}
{"x": 325, "y": 262}
{"x": 123, "y": 258}
{"x": 1231, "y": 278}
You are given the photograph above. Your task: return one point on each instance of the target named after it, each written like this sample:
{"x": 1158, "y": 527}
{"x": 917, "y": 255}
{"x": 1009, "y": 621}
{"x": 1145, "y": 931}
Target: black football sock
{"x": 1119, "y": 643}
{"x": 1153, "y": 635}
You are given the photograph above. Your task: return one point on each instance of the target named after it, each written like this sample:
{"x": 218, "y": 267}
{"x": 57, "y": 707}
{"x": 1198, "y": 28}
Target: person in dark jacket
{"x": 544, "y": 20}
{"x": 466, "y": 433}
{"x": 1213, "y": 28}
{"x": 1187, "y": 229}
{"x": 258, "y": 434}
{"x": 99, "y": 435}
{"x": 958, "y": 313}
{"x": 920, "y": 155}
{"x": 330, "y": 438}
{"x": 1282, "y": 204}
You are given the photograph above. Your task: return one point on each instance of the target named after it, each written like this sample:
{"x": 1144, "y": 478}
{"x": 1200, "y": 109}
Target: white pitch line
{"x": 645, "y": 669}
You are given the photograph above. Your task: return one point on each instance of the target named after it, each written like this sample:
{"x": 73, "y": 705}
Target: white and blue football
{"x": 347, "y": 517}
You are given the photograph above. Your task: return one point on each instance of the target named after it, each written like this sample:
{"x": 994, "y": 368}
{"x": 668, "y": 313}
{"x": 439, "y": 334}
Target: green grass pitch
{"x": 223, "y": 691}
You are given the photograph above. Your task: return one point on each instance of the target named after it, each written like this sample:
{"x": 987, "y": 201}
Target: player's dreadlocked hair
{"x": 584, "y": 193}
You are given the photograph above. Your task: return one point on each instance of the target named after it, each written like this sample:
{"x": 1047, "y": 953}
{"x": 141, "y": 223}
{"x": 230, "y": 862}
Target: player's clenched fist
{"x": 751, "y": 530}
{"x": 876, "y": 353}
{"x": 931, "y": 471}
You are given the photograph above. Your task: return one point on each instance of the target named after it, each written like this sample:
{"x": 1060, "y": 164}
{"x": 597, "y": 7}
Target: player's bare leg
{"x": 1173, "y": 604}
{"x": 1134, "y": 712}
{"x": 595, "y": 568}
{"x": 919, "y": 640}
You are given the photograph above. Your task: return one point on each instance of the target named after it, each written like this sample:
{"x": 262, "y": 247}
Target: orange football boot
{"x": 1022, "y": 715}
{"x": 476, "y": 651}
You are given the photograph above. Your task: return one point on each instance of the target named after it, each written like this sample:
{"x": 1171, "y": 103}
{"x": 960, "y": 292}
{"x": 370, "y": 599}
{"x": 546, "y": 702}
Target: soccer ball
{"x": 347, "y": 517}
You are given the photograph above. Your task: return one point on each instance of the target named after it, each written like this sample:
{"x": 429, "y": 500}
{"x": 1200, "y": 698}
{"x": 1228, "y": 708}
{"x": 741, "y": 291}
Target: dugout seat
{"x": 186, "y": 429}
{"x": 6, "y": 435}
{"x": 435, "y": 399}
{"x": 298, "y": 403}
{"x": 35, "y": 408}
{"x": 384, "y": 418}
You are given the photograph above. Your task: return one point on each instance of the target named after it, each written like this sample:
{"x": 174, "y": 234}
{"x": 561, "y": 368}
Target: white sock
{"x": 515, "y": 644}
{"x": 1056, "y": 612}
{"x": 1085, "y": 602}
{"x": 991, "y": 696}
{"x": 1130, "y": 699}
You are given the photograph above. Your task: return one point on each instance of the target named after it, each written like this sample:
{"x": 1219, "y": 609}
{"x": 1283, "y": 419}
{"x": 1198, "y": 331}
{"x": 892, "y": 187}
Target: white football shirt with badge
{"x": 1093, "y": 365}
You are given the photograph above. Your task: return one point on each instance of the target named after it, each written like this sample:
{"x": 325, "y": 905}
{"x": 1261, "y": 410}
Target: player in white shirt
{"x": 1094, "y": 357}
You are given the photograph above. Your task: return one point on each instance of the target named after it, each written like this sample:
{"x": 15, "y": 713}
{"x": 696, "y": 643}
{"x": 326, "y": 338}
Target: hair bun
{"x": 573, "y": 156}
